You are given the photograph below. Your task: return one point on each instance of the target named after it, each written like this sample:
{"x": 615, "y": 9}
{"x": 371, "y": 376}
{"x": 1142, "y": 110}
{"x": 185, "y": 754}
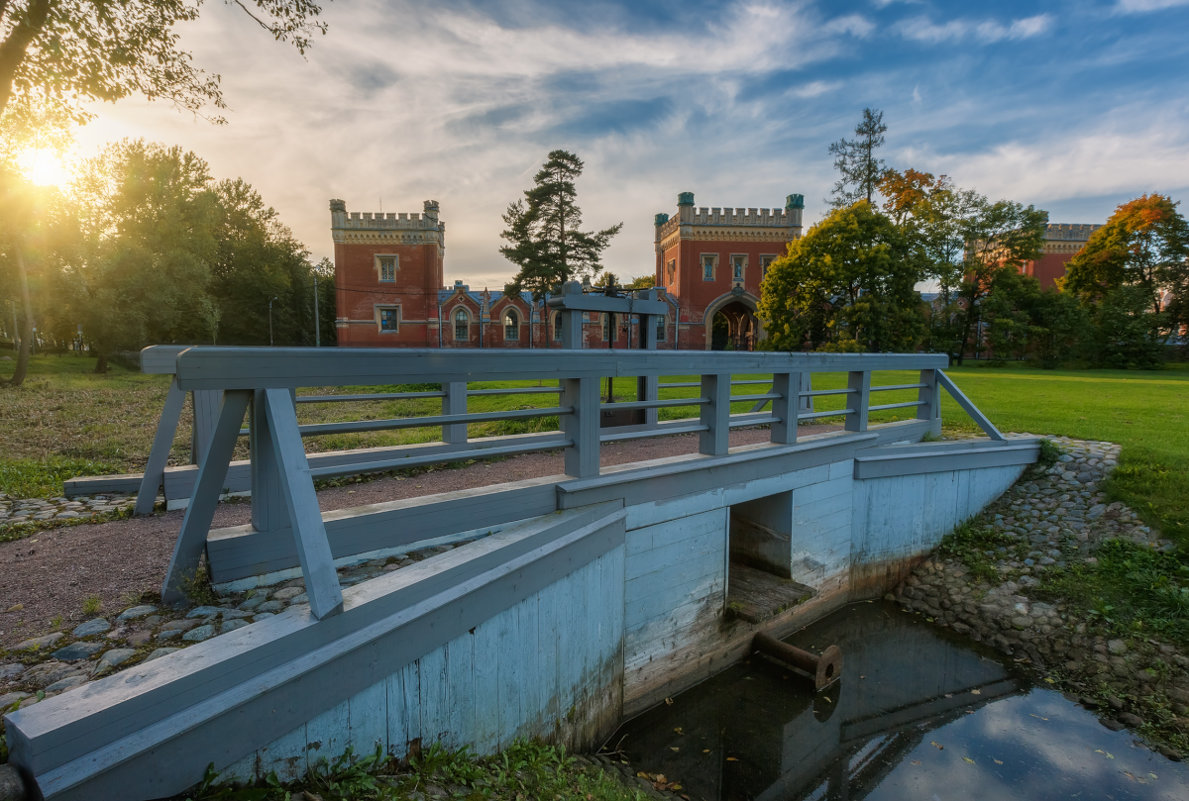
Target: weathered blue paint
{"x": 610, "y": 596}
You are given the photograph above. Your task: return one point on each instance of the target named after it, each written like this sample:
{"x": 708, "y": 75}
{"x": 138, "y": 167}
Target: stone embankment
{"x": 1050, "y": 520}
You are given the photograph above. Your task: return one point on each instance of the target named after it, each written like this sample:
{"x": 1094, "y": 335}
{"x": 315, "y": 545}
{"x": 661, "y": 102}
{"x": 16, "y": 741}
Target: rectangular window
{"x": 386, "y": 265}
{"x": 709, "y": 262}
{"x": 738, "y": 267}
{"x": 660, "y": 328}
{"x": 765, "y": 263}
{"x": 670, "y": 272}
{"x": 389, "y": 318}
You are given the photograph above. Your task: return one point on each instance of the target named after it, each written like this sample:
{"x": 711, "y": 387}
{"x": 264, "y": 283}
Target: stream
{"x": 919, "y": 714}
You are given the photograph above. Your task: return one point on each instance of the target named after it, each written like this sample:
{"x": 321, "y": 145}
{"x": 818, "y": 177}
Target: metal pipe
{"x": 825, "y": 669}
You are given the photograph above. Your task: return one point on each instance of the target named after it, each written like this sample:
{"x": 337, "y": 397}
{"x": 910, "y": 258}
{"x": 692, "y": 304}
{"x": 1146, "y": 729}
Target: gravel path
{"x": 57, "y": 578}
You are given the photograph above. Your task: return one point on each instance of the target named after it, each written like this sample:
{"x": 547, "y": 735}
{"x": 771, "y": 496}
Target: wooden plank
{"x": 255, "y": 368}
{"x": 206, "y": 404}
{"x": 187, "y": 551}
{"x": 154, "y": 472}
{"x": 327, "y": 735}
{"x": 786, "y": 407}
{"x": 301, "y": 504}
{"x": 716, "y": 415}
{"x": 487, "y": 650}
{"x": 160, "y": 359}
{"x": 368, "y": 719}
{"x": 859, "y": 401}
{"x": 398, "y": 736}
{"x": 581, "y": 426}
{"x": 968, "y": 406}
{"x": 239, "y": 552}
{"x": 932, "y": 457}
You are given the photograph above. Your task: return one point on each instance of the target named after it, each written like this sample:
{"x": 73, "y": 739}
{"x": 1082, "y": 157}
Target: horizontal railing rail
{"x": 263, "y": 384}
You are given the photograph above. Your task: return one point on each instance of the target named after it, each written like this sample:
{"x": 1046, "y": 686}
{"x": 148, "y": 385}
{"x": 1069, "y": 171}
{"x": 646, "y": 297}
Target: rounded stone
{"x": 136, "y": 612}
{"x": 204, "y": 632}
{"x": 94, "y": 626}
{"x": 78, "y": 651}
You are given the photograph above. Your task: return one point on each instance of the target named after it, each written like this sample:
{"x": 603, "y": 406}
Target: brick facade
{"x": 709, "y": 261}
{"x": 1061, "y": 242}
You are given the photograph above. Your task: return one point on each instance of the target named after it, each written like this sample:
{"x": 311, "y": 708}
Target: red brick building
{"x": 712, "y": 261}
{"x": 1061, "y": 242}
{"x": 709, "y": 261}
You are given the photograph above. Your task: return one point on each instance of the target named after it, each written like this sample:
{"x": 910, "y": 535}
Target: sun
{"x": 43, "y": 166}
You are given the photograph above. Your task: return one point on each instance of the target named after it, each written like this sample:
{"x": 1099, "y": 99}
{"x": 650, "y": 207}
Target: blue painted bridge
{"x": 573, "y": 600}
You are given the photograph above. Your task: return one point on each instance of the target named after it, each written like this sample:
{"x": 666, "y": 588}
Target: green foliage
{"x": 847, "y": 285}
{"x": 859, "y": 170}
{"x": 1022, "y": 322}
{"x": 525, "y": 770}
{"x": 1134, "y": 590}
{"x": 69, "y": 54}
{"x": 977, "y": 547}
{"x": 42, "y": 478}
{"x": 544, "y": 235}
{"x": 1125, "y": 332}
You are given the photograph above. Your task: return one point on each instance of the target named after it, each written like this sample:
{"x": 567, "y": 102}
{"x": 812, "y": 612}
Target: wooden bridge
{"x": 575, "y": 600}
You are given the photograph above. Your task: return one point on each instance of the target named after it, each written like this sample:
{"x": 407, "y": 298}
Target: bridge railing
{"x": 262, "y": 384}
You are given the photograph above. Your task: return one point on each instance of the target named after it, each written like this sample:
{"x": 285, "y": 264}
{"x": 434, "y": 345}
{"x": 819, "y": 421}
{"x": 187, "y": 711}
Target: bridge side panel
{"x": 548, "y": 667}
{"x": 674, "y": 595}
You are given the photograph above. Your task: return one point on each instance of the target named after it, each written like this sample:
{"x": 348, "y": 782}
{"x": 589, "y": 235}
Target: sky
{"x": 1074, "y": 107}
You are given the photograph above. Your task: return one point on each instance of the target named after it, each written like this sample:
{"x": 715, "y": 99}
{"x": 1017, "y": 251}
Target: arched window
{"x": 511, "y": 326}
{"x": 462, "y": 325}
{"x": 661, "y": 320}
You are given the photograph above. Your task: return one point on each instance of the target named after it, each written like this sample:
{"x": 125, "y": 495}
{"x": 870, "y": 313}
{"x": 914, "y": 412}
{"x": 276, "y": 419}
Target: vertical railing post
{"x": 716, "y": 414}
{"x": 454, "y": 402}
{"x": 788, "y": 386}
{"x": 268, "y": 512}
{"x": 581, "y": 426}
{"x": 858, "y": 400}
{"x": 649, "y": 384}
{"x": 206, "y": 413}
{"x": 929, "y": 396}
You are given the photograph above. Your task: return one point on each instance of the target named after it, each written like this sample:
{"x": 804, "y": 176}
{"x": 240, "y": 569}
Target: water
{"x": 918, "y": 714}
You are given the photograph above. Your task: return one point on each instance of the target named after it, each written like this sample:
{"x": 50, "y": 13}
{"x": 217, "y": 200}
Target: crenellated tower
{"x": 714, "y": 260}
{"x": 388, "y": 269}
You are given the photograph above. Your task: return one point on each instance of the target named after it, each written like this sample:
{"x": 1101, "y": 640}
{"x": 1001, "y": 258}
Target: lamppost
{"x": 270, "y": 301}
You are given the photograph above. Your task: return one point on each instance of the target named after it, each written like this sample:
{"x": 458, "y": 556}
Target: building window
{"x": 386, "y": 267}
{"x": 765, "y": 263}
{"x": 670, "y": 271}
{"x": 388, "y": 318}
{"x": 555, "y": 320}
{"x": 738, "y": 267}
{"x": 709, "y": 263}
{"x": 661, "y": 324}
{"x": 606, "y": 327}
{"x": 462, "y": 326}
{"x": 511, "y": 326}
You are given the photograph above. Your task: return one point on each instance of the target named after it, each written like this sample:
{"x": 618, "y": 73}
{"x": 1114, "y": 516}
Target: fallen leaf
{"x": 1038, "y": 717}
{"x": 674, "y": 748}
{"x": 937, "y": 745}
{"x": 968, "y": 759}
{"x": 732, "y": 759}
{"x": 915, "y": 762}
{"x": 678, "y": 729}
{"x": 669, "y": 702}
{"x": 705, "y": 750}
{"x": 997, "y": 761}
{"x": 976, "y": 691}
{"x": 1050, "y": 680}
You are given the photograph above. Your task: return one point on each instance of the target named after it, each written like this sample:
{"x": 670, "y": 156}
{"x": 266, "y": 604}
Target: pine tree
{"x": 859, "y": 170}
{"x": 546, "y": 242}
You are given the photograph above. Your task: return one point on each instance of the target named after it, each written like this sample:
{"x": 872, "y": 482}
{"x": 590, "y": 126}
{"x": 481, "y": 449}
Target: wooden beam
{"x": 301, "y": 503}
{"x": 154, "y": 472}
{"x": 187, "y": 551}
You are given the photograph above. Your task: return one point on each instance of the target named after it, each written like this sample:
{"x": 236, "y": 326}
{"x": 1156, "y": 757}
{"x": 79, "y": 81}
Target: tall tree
{"x": 848, "y": 285}
{"x": 859, "y": 170}
{"x": 544, "y": 231}
{"x": 65, "y": 54}
{"x": 150, "y": 218}
{"x": 999, "y": 235}
{"x": 1145, "y": 244}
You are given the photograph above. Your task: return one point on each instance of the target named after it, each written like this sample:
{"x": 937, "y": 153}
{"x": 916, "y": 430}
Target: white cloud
{"x": 1146, "y": 6}
{"x": 922, "y": 29}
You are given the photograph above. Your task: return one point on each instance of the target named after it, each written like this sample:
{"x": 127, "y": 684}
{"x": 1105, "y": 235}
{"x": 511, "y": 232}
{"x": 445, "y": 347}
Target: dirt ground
{"x": 48, "y": 578}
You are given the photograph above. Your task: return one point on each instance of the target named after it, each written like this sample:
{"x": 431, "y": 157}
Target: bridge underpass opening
{"x": 760, "y": 576}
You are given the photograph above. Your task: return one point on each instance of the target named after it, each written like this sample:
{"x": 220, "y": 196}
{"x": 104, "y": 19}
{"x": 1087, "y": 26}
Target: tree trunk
{"x": 18, "y": 376}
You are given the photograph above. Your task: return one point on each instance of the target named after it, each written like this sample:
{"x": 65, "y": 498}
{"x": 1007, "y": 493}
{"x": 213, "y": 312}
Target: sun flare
{"x": 43, "y": 167}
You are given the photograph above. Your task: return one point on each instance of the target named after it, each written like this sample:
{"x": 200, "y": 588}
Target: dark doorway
{"x": 734, "y": 327}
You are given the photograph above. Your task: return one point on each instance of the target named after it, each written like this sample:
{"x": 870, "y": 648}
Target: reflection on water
{"x": 917, "y": 715}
